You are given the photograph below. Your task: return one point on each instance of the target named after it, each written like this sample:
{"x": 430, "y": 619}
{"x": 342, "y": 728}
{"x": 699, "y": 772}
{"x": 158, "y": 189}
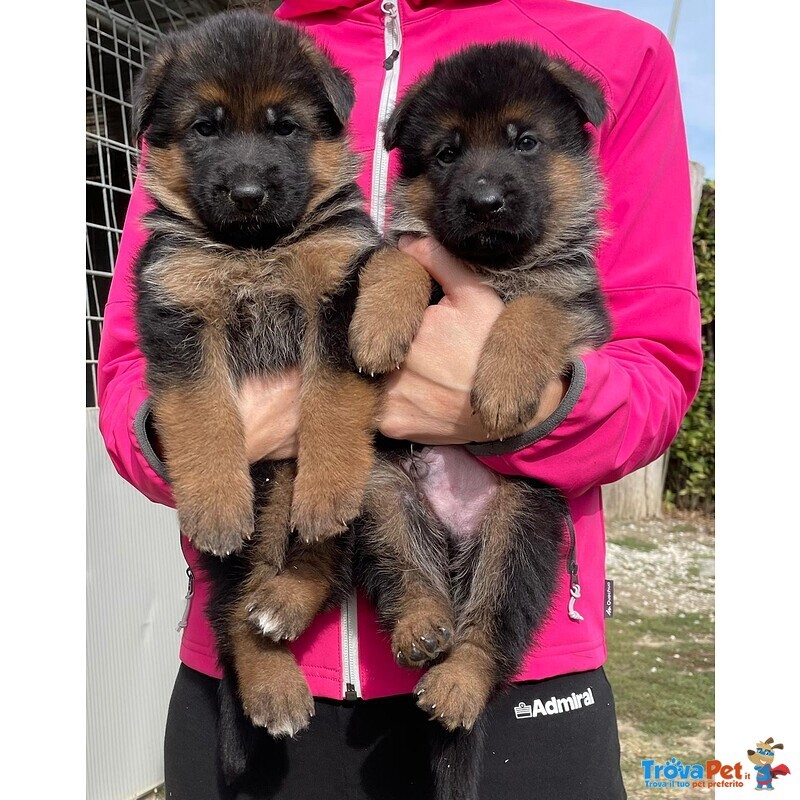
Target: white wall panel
{"x": 136, "y": 582}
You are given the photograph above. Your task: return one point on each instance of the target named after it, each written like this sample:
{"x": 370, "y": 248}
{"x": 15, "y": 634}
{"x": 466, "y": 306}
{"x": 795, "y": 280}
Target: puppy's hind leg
{"x": 504, "y": 579}
{"x": 273, "y": 690}
{"x": 402, "y": 564}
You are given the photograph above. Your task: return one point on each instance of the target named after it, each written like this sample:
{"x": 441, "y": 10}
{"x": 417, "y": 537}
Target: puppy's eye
{"x": 205, "y": 127}
{"x": 285, "y": 127}
{"x": 527, "y": 143}
{"x": 447, "y": 155}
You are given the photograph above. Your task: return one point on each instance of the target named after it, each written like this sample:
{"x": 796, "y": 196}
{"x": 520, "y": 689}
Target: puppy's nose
{"x": 485, "y": 201}
{"x": 247, "y": 197}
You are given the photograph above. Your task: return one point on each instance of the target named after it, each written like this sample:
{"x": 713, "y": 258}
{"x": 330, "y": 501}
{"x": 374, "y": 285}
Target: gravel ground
{"x": 661, "y": 645}
{"x": 668, "y": 565}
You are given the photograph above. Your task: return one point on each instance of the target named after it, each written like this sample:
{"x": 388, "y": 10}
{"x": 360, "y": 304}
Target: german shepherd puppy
{"x": 251, "y": 266}
{"x": 497, "y": 164}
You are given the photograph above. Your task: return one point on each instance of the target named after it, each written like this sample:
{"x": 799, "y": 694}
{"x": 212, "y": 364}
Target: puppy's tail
{"x": 235, "y": 733}
{"x": 457, "y": 759}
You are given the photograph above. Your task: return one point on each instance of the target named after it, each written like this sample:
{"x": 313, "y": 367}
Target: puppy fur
{"x": 497, "y": 164}
{"x": 251, "y": 266}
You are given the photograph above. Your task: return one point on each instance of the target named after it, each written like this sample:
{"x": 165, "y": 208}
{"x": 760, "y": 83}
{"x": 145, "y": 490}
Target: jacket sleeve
{"x": 626, "y": 400}
{"x": 122, "y": 394}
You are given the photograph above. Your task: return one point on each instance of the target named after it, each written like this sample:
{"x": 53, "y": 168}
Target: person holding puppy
{"x": 619, "y": 409}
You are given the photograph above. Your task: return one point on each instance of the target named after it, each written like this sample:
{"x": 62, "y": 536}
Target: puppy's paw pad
{"x": 420, "y": 639}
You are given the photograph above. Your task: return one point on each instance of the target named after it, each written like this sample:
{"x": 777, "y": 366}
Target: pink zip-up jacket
{"x": 625, "y": 402}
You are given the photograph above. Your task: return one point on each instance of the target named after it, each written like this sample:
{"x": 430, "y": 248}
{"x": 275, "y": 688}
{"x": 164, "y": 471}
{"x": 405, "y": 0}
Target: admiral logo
{"x": 555, "y": 705}
{"x": 523, "y": 711}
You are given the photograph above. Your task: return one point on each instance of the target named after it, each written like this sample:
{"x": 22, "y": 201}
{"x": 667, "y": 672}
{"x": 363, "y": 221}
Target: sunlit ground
{"x": 661, "y": 644}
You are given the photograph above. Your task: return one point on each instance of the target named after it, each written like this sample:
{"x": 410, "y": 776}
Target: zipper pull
{"x": 189, "y": 595}
{"x": 390, "y": 10}
{"x": 574, "y": 594}
{"x": 350, "y": 693}
{"x": 572, "y": 569}
{"x": 389, "y": 62}
{"x": 574, "y": 591}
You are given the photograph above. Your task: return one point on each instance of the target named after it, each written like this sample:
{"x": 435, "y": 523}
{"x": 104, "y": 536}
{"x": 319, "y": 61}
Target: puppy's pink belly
{"x": 457, "y": 487}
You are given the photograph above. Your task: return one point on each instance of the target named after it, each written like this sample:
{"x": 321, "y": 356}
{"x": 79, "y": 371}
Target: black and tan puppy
{"x": 497, "y": 164}
{"x": 251, "y": 267}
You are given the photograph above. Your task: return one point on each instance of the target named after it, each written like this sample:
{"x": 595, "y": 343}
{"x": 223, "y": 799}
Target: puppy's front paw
{"x": 502, "y": 407}
{"x": 393, "y": 294}
{"x": 222, "y": 521}
{"x": 323, "y": 511}
{"x": 379, "y": 343}
{"x": 284, "y": 707}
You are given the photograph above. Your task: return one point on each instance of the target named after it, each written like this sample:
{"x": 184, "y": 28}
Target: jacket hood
{"x": 292, "y": 9}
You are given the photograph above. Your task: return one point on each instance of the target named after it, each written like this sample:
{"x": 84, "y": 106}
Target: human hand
{"x": 270, "y": 410}
{"x": 428, "y": 399}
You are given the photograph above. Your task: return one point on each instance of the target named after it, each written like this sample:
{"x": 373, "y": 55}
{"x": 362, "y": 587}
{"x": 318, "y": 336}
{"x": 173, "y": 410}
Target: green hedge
{"x": 690, "y": 472}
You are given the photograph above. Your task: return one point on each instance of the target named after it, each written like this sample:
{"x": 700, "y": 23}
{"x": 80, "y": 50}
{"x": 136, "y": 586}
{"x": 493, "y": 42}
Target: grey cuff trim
{"x": 142, "y": 426}
{"x": 497, "y": 448}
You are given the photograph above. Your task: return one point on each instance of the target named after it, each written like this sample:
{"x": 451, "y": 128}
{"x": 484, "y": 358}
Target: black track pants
{"x": 546, "y": 740}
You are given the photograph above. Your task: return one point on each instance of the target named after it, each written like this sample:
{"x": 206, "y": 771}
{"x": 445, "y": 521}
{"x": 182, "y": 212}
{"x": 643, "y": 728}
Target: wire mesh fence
{"x": 119, "y": 35}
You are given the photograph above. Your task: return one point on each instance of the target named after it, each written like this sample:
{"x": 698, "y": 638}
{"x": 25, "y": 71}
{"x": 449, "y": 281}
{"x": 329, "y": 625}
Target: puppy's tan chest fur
{"x": 217, "y": 282}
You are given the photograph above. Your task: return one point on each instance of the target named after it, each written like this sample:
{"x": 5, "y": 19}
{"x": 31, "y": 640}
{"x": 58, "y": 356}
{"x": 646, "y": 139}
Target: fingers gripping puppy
{"x": 250, "y": 267}
{"x": 496, "y": 163}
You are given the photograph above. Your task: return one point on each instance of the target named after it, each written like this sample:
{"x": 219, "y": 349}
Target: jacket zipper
{"x": 350, "y": 668}
{"x": 392, "y": 40}
{"x": 184, "y": 621}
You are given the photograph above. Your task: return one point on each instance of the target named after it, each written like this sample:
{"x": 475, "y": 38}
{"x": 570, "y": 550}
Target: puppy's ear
{"x": 393, "y": 129}
{"x": 339, "y": 89}
{"x": 588, "y": 94}
{"x": 336, "y": 83}
{"x": 147, "y": 87}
